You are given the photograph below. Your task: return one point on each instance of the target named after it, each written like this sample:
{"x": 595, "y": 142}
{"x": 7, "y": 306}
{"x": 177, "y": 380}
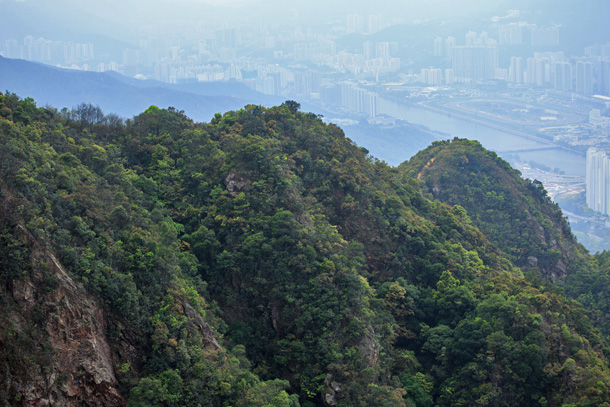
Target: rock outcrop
{"x": 54, "y": 348}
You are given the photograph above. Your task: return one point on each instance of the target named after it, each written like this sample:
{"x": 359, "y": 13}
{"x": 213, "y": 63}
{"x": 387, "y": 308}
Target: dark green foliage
{"x": 263, "y": 259}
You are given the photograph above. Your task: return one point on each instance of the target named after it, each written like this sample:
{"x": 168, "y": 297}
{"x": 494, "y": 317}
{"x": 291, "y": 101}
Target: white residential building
{"x": 598, "y": 180}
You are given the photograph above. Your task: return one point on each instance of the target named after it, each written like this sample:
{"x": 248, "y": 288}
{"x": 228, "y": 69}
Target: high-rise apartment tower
{"x": 598, "y": 180}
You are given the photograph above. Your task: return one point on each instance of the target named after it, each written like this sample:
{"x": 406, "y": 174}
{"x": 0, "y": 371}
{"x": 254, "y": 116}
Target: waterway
{"x": 492, "y": 139}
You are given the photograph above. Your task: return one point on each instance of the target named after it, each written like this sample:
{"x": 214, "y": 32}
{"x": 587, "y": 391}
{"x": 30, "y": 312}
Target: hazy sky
{"x": 123, "y": 19}
{"x": 238, "y": 11}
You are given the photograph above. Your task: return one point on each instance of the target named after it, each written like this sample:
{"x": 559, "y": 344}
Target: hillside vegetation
{"x": 263, "y": 259}
{"x": 516, "y": 214}
{"x": 518, "y": 217}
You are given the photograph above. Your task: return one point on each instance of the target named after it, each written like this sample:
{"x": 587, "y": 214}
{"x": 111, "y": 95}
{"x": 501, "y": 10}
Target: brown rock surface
{"x": 54, "y": 346}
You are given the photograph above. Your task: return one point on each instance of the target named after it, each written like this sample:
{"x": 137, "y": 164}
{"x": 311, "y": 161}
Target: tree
{"x": 88, "y": 114}
{"x": 293, "y": 106}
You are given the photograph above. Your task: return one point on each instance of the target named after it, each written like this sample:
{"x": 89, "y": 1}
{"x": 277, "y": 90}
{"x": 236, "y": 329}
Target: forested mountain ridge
{"x": 518, "y": 217}
{"x": 259, "y": 259}
{"x": 516, "y": 214}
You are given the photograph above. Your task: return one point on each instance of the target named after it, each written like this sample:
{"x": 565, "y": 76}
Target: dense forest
{"x": 263, "y": 259}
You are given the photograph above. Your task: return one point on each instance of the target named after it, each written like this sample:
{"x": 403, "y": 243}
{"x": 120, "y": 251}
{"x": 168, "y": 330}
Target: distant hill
{"x": 115, "y": 93}
{"x": 230, "y": 88}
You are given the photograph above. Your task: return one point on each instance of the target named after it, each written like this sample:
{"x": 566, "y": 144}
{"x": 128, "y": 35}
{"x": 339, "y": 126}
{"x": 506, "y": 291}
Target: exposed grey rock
{"x": 235, "y": 184}
{"x": 532, "y": 261}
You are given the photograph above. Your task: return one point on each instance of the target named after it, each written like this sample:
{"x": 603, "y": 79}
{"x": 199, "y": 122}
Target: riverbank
{"x": 443, "y": 109}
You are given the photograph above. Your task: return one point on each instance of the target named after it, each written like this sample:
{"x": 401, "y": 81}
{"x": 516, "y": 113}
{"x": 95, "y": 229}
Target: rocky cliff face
{"x": 54, "y": 339}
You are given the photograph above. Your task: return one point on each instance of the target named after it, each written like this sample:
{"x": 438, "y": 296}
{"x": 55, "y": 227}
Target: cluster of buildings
{"x": 479, "y": 60}
{"x": 596, "y": 119}
{"x": 48, "y": 51}
{"x": 357, "y": 23}
{"x": 295, "y": 63}
{"x": 356, "y": 99}
{"x": 586, "y": 75}
{"x": 523, "y": 33}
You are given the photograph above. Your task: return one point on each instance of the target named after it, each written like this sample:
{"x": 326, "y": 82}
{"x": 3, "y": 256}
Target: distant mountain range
{"x": 127, "y": 97}
{"x": 122, "y": 95}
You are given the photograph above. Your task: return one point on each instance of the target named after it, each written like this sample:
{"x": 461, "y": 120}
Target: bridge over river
{"x": 530, "y": 149}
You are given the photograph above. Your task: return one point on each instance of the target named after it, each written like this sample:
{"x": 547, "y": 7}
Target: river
{"x": 492, "y": 139}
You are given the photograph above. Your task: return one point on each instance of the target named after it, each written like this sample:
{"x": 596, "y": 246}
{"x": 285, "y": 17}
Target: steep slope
{"x": 328, "y": 277}
{"x": 54, "y": 330}
{"x": 100, "y": 306}
{"x": 516, "y": 214}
